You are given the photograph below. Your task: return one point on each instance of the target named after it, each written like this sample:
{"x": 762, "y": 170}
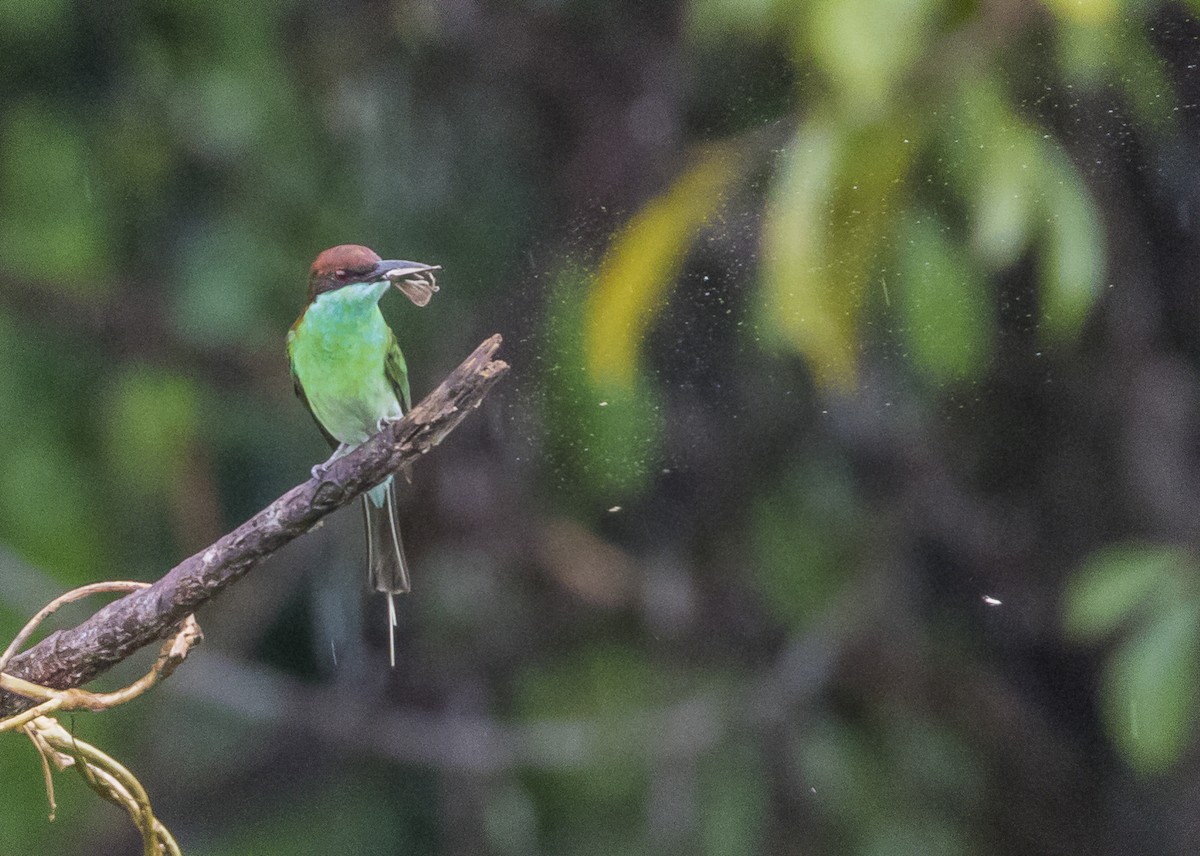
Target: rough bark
{"x": 71, "y": 658}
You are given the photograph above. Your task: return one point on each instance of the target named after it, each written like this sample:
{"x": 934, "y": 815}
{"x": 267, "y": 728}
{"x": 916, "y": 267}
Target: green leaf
{"x": 1114, "y": 584}
{"x": 993, "y": 158}
{"x": 1118, "y": 53}
{"x": 1021, "y": 187}
{"x": 1072, "y": 258}
{"x": 829, "y": 214}
{"x": 1007, "y": 199}
{"x": 948, "y": 317}
{"x": 866, "y": 47}
{"x": 1150, "y": 689}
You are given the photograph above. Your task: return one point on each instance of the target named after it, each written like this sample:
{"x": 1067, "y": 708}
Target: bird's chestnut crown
{"x": 342, "y": 265}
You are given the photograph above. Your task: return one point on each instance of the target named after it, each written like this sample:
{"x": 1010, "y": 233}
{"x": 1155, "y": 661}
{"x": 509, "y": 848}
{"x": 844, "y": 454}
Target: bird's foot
{"x": 319, "y": 471}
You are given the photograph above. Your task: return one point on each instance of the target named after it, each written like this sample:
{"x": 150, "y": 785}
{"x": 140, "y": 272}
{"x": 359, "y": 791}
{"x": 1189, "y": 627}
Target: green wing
{"x": 396, "y": 370}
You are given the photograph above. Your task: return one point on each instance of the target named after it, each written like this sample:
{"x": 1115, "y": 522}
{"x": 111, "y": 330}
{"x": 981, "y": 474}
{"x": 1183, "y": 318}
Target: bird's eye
{"x": 340, "y": 274}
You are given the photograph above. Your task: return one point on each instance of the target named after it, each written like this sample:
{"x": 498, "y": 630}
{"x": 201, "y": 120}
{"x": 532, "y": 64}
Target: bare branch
{"x": 70, "y": 658}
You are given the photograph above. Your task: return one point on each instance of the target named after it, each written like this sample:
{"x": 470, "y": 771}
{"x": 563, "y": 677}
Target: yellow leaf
{"x": 794, "y": 253}
{"x": 1084, "y": 11}
{"x": 642, "y": 264}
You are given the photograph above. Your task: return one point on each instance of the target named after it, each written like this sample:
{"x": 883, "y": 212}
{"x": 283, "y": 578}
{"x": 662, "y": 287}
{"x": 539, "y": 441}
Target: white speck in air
{"x": 614, "y": 509}
{"x": 991, "y": 601}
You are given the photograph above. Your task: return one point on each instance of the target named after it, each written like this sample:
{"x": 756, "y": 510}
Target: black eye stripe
{"x": 344, "y": 274}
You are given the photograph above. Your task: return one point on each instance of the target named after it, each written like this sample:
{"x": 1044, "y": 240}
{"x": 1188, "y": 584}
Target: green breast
{"x": 338, "y": 353}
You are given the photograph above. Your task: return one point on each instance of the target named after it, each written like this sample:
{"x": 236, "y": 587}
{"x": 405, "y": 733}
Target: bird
{"x": 349, "y": 372}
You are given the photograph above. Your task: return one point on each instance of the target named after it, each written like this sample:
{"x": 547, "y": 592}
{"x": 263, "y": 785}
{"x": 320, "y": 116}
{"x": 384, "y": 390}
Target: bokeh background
{"x": 842, "y": 497}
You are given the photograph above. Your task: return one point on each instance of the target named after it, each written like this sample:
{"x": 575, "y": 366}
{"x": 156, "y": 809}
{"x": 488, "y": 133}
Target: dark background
{"x": 841, "y": 497}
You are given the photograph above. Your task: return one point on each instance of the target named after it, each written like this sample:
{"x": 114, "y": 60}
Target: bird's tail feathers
{"x": 385, "y": 550}
{"x": 386, "y": 564}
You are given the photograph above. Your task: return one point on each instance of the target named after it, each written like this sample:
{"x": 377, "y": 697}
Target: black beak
{"x": 414, "y": 279}
{"x": 394, "y": 269}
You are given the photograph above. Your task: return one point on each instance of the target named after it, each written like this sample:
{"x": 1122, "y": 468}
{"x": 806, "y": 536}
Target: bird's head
{"x": 350, "y": 264}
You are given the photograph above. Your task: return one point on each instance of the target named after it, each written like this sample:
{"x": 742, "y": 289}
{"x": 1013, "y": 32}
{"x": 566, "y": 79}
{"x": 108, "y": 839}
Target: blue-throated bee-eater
{"x": 349, "y": 372}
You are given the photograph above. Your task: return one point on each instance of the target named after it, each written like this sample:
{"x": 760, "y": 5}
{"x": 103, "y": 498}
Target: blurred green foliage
{"x": 344, "y": 818}
{"x": 608, "y": 684}
{"x": 603, "y": 435}
{"x": 705, "y": 229}
{"x": 149, "y": 428}
{"x": 846, "y": 189}
{"x": 807, "y": 532}
{"x": 833, "y": 198}
{"x": 947, "y": 317}
{"x": 54, "y": 216}
{"x": 1144, "y": 601}
{"x": 852, "y": 770}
